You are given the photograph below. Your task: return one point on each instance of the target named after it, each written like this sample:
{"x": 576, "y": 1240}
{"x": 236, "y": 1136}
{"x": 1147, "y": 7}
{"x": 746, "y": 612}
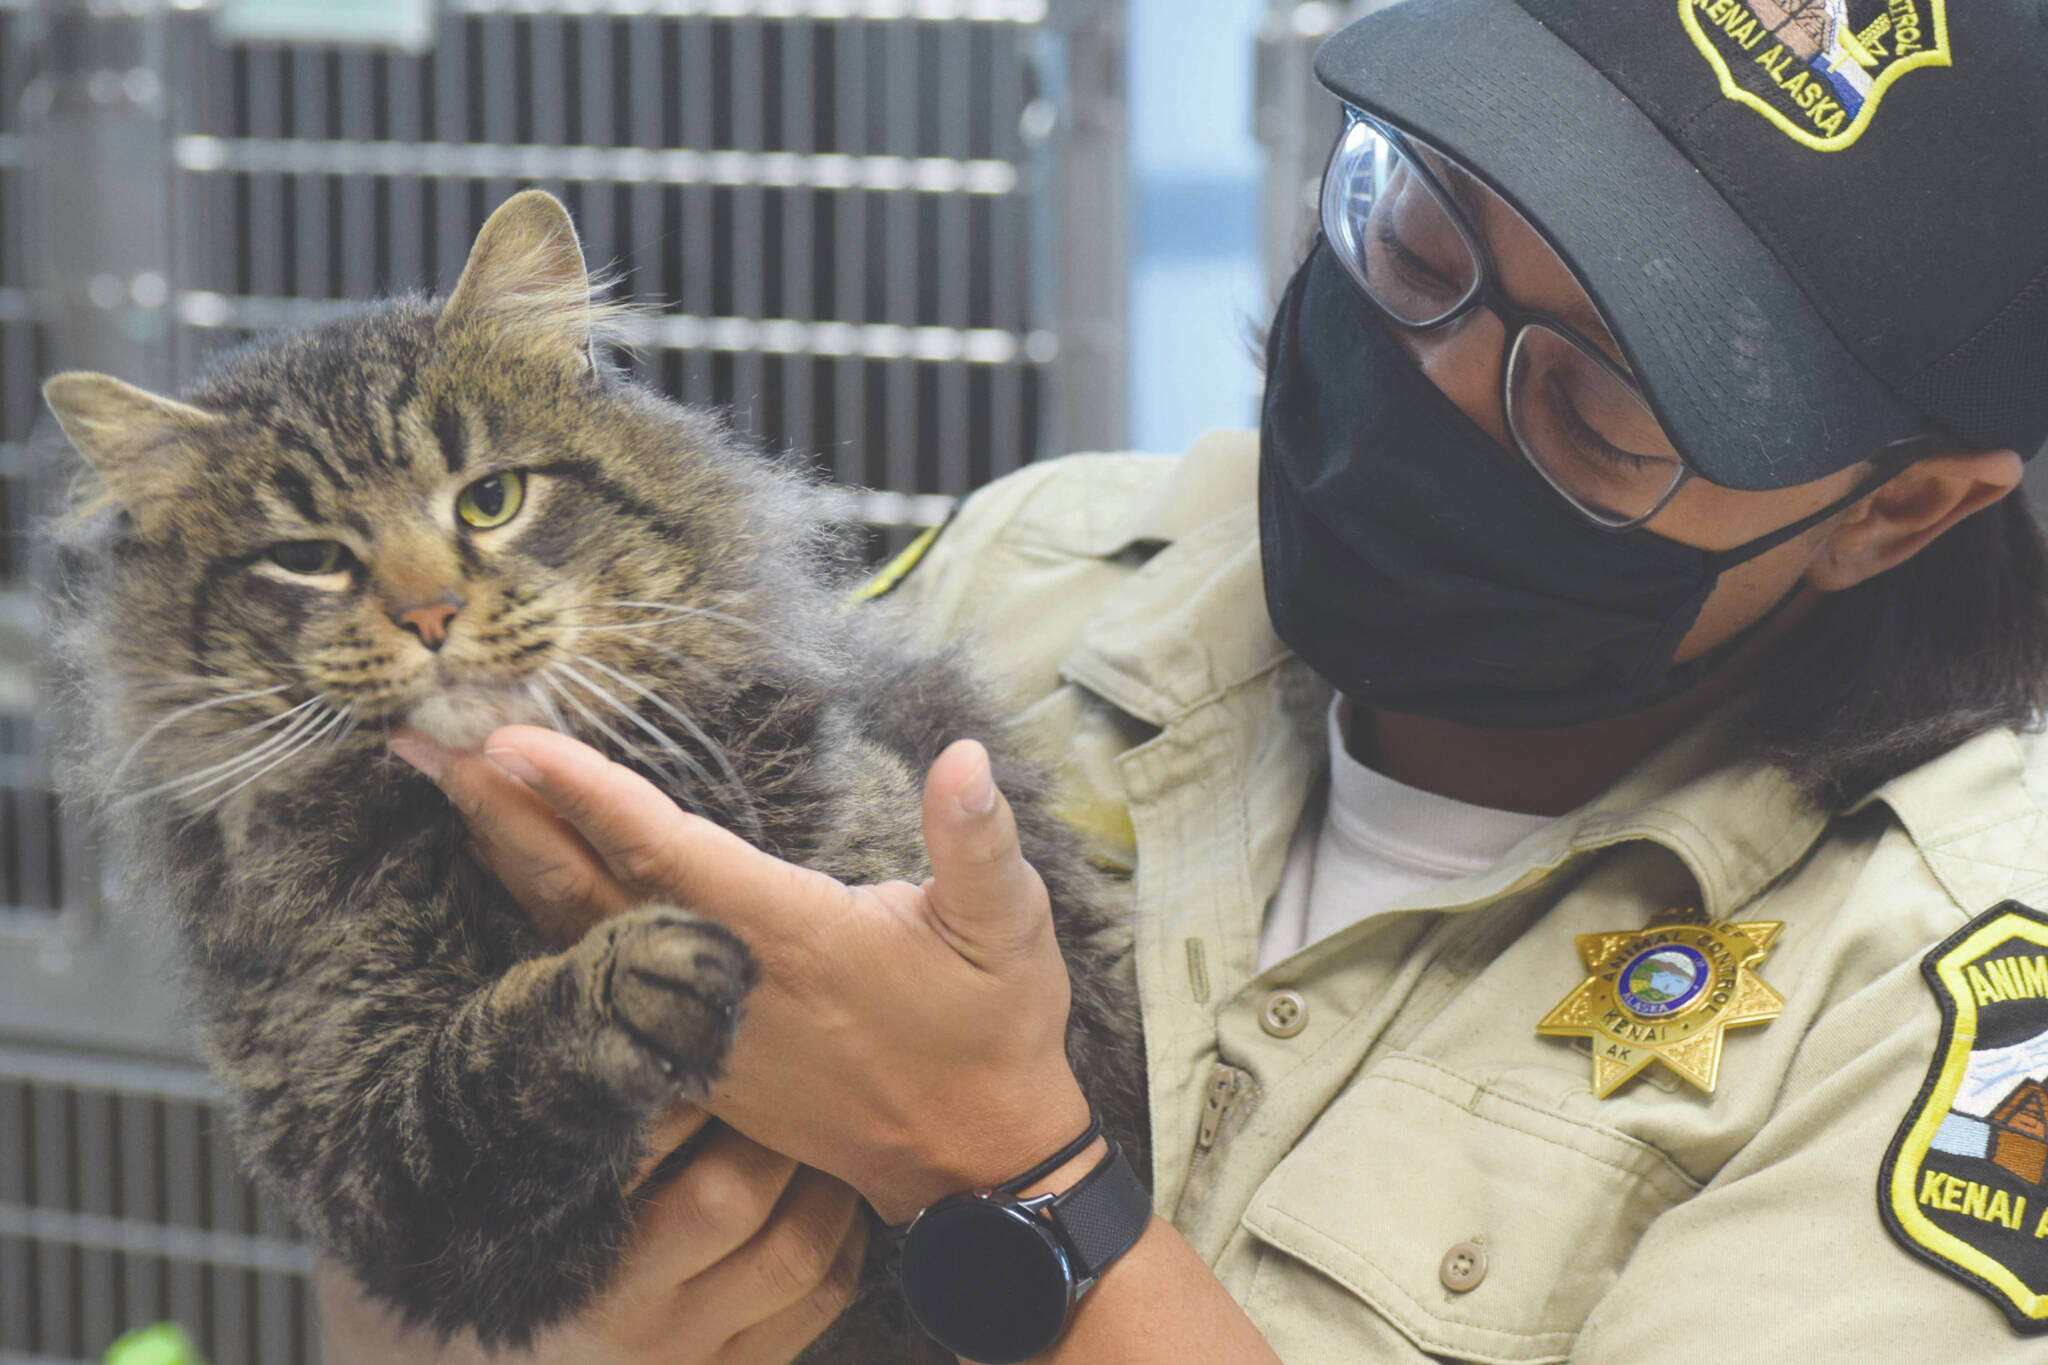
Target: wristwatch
{"x": 993, "y": 1277}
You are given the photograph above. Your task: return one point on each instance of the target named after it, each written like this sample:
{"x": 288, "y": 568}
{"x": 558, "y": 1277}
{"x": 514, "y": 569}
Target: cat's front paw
{"x": 670, "y": 985}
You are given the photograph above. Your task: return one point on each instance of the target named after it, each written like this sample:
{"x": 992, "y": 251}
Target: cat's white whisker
{"x": 195, "y": 782}
{"x": 697, "y": 669}
{"x": 677, "y": 611}
{"x": 355, "y": 716}
{"x": 615, "y": 627}
{"x": 255, "y": 727}
{"x": 696, "y": 731}
{"x": 250, "y": 772}
{"x": 691, "y": 766}
{"x": 175, "y": 716}
{"x": 547, "y": 705}
{"x": 630, "y": 747}
{"x": 185, "y": 681}
{"x": 694, "y": 667}
{"x": 320, "y": 732}
{"x": 269, "y": 721}
{"x": 668, "y": 743}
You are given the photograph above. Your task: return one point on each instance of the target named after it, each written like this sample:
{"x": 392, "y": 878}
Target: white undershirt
{"x": 1372, "y": 843}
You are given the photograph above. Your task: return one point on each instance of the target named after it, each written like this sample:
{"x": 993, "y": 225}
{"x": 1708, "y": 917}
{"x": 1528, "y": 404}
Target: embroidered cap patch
{"x": 1965, "y": 1183}
{"x": 1816, "y": 68}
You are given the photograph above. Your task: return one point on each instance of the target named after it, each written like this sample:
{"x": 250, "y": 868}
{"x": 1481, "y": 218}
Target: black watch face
{"x": 986, "y": 1281}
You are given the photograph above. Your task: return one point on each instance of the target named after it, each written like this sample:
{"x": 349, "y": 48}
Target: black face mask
{"x": 1420, "y": 567}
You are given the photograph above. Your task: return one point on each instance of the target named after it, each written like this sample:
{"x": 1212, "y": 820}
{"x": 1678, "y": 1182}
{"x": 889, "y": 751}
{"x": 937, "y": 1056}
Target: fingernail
{"x": 978, "y": 797}
{"x": 515, "y": 763}
{"x": 425, "y": 757}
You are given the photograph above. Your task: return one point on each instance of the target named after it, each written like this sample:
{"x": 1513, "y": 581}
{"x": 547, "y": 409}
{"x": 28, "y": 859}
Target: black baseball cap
{"x": 1816, "y": 227}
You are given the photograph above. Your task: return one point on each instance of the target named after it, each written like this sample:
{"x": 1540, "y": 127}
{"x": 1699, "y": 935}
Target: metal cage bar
{"x": 889, "y": 232}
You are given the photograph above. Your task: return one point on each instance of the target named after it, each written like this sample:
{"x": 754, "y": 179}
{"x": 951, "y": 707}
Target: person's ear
{"x": 1903, "y": 516}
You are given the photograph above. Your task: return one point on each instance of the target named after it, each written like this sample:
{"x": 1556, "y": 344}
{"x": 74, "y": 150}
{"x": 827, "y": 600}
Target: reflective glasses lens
{"x": 1387, "y": 223}
{"x": 1586, "y": 430}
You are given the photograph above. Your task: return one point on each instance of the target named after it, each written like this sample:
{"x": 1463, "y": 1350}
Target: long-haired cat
{"x": 456, "y": 515}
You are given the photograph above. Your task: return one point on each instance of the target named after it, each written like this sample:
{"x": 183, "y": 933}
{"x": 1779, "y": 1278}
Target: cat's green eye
{"x": 492, "y": 501}
{"x": 310, "y": 556}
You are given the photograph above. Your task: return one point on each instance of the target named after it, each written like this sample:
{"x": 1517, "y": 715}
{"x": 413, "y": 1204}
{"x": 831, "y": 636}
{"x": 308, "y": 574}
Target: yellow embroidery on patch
{"x": 1962, "y": 1183}
{"x": 1817, "y": 69}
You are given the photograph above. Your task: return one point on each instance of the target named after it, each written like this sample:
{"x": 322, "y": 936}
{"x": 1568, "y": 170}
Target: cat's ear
{"x": 526, "y": 273}
{"x": 143, "y": 447}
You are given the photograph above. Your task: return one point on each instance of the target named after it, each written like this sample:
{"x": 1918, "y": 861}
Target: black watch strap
{"x": 992, "y": 1275}
{"x": 1102, "y": 1214}
{"x": 1036, "y": 1173}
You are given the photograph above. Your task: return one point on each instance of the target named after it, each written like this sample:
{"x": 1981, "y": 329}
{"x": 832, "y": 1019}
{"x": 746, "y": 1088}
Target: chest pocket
{"x": 1413, "y": 1161}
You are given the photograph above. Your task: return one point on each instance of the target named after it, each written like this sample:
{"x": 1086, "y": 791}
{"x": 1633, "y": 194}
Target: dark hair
{"x": 1899, "y": 669}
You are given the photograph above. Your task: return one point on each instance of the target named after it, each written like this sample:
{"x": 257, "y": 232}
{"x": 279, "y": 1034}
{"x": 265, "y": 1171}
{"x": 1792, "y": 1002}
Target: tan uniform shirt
{"x": 1325, "y": 1175}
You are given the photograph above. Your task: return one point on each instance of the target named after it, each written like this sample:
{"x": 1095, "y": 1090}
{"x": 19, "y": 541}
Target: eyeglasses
{"x": 1573, "y": 412}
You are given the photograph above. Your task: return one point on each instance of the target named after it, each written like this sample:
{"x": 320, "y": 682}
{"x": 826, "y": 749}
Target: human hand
{"x": 908, "y": 1038}
{"x": 741, "y": 1258}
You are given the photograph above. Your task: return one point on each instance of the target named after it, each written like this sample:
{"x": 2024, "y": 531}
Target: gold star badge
{"x": 1666, "y": 993}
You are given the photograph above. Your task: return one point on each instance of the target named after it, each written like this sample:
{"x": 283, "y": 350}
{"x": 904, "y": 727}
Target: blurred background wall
{"x": 926, "y": 240}
{"x": 1195, "y": 278}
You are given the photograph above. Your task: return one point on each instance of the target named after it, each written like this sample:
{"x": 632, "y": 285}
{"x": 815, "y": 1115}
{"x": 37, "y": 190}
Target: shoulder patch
{"x": 885, "y": 579}
{"x": 1964, "y": 1184}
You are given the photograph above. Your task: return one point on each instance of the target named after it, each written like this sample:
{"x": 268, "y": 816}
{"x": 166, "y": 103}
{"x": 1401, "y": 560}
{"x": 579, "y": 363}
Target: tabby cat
{"x": 457, "y": 515}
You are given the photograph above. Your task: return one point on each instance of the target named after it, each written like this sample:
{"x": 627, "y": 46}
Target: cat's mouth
{"x": 461, "y": 716}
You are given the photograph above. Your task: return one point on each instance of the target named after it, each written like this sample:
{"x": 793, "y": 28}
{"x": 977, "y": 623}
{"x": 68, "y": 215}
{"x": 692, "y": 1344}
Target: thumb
{"x": 988, "y": 901}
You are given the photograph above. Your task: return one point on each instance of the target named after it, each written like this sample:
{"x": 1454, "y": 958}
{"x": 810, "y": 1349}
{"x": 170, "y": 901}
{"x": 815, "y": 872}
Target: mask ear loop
{"x": 1885, "y": 466}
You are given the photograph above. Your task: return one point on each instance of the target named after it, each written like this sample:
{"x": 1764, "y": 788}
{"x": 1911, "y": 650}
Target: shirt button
{"x": 1284, "y": 1014}
{"x": 1463, "y": 1268}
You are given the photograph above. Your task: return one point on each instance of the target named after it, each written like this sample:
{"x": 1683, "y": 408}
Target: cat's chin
{"x": 461, "y": 717}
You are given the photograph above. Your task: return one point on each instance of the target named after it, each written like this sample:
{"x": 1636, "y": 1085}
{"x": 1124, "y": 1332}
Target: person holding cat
{"x": 1564, "y": 765}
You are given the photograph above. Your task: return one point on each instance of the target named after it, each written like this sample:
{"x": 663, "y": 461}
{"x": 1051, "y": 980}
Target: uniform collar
{"x": 1189, "y": 628}
{"x": 1976, "y": 819}
{"x": 1190, "y": 623}
{"x": 1736, "y": 826}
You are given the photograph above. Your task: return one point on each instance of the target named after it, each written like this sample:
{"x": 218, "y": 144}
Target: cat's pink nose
{"x": 430, "y": 621}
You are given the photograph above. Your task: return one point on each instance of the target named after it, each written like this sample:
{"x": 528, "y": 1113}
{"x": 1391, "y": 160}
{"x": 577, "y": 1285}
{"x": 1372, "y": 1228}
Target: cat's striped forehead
{"x": 353, "y": 419}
